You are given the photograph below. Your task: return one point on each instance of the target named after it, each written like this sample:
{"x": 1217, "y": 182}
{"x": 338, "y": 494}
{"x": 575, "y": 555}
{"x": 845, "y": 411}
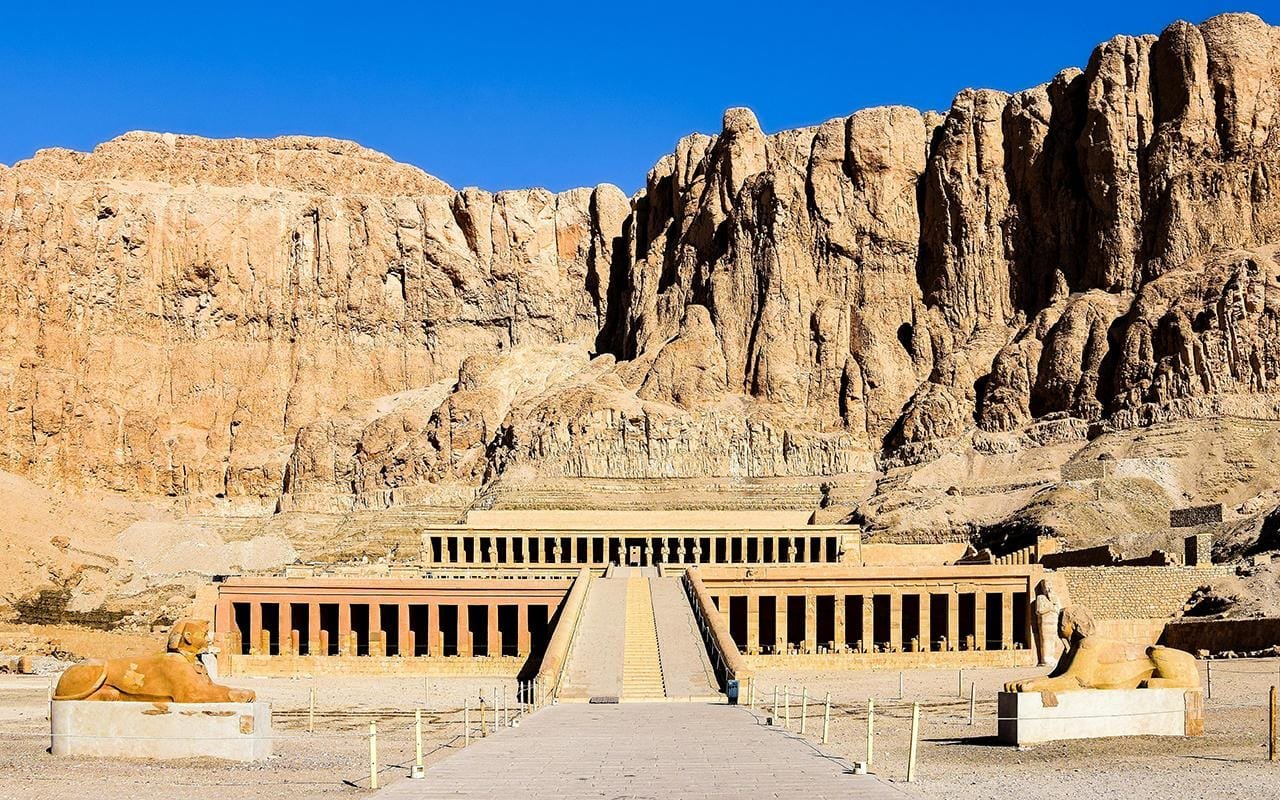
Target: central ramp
{"x": 638, "y": 641}
{"x": 642, "y": 750}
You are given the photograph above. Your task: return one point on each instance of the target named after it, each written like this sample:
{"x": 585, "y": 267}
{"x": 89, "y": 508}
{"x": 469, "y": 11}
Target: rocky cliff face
{"x": 305, "y": 319}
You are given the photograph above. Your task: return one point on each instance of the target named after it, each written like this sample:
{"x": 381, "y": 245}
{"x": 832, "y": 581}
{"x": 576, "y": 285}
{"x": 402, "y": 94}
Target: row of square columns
{"x": 594, "y": 550}
{"x": 886, "y": 634}
{"x": 287, "y": 637}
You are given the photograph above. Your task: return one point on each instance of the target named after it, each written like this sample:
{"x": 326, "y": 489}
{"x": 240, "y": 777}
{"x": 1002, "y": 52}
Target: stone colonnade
{"x": 456, "y": 545}
{"x": 386, "y": 617}
{"x": 877, "y": 610}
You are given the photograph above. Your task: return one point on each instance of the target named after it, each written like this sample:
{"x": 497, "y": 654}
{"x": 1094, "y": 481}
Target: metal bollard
{"x": 826, "y": 719}
{"x": 1208, "y": 689}
{"x": 774, "y": 709}
{"x": 417, "y": 737}
{"x": 786, "y": 707}
{"x": 973, "y": 700}
{"x": 495, "y": 709}
{"x": 311, "y": 711}
{"x": 1275, "y": 712}
{"x": 960, "y": 683}
{"x": 804, "y": 709}
{"x": 466, "y": 722}
{"x": 901, "y": 685}
{"x": 506, "y": 712}
{"x": 871, "y": 731}
{"x": 915, "y": 738}
{"x": 373, "y": 755}
{"x": 426, "y": 692}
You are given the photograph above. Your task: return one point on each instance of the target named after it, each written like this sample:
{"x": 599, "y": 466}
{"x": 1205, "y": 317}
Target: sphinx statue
{"x": 1096, "y": 662}
{"x": 175, "y": 676}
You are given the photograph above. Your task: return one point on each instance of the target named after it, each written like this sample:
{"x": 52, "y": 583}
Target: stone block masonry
{"x": 1135, "y": 592}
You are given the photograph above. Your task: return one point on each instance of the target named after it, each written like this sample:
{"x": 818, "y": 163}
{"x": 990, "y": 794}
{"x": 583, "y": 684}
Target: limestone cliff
{"x": 306, "y": 323}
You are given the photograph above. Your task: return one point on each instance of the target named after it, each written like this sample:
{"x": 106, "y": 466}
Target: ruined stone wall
{"x": 1135, "y": 592}
{"x": 1223, "y": 635}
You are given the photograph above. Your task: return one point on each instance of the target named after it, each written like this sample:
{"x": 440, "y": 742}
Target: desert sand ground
{"x": 955, "y": 760}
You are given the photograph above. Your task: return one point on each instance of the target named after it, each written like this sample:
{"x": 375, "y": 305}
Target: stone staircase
{"x": 641, "y": 665}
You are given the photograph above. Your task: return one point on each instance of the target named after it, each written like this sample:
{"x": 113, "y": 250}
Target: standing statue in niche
{"x": 1047, "y": 609}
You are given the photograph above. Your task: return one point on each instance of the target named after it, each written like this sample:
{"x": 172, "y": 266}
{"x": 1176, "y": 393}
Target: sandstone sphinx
{"x": 174, "y": 676}
{"x": 1096, "y": 662}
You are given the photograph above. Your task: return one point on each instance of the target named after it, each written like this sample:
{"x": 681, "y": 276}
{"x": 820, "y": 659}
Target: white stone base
{"x": 122, "y": 729}
{"x": 1094, "y": 713}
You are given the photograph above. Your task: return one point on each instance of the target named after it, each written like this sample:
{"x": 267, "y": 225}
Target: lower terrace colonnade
{"x": 453, "y": 545}
{"x": 906, "y": 609}
{"x": 381, "y": 617}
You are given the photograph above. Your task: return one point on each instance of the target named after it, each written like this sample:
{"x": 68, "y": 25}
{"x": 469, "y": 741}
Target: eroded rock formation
{"x": 307, "y": 322}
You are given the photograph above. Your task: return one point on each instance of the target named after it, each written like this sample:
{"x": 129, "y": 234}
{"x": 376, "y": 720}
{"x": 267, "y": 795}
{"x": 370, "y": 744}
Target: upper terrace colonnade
{"x": 596, "y": 539}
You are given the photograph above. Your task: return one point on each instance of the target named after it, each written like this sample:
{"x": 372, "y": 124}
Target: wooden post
{"x": 871, "y": 732}
{"x": 1271, "y": 752}
{"x": 973, "y": 700}
{"x": 426, "y": 692}
{"x": 901, "y": 685}
{"x": 804, "y": 709}
{"x": 786, "y": 707}
{"x": 826, "y": 719}
{"x": 417, "y": 736}
{"x": 495, "y": 709}
{"x": 775, "y": 700}
{"x": 505, "y": 714}
{"x": 373, "y": 755}
{"x": 466, "y": 722}
{"x": 915, "y": 738}
{"x": 311, "y": 710}
{"x": 960, "y": 683}
{"x": 484, "y": 731}
{"x": 1208, "y": 688}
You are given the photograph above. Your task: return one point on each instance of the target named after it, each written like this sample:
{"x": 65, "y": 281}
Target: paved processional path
{"x": 632, "y": 751}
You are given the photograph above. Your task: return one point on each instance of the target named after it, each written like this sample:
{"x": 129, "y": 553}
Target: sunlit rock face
{"x": 305, "y": 322}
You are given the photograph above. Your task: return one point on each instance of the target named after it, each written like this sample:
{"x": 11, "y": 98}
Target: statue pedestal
{"x": 1094, "y": 713}
{"x": 123, "y": 729}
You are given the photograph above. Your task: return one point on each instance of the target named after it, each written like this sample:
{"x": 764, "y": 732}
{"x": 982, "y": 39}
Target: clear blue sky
{"x": 506, "y": 95}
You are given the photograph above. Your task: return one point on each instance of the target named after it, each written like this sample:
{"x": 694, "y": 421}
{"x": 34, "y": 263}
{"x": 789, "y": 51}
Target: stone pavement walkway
{"x": 663, "y": 751}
